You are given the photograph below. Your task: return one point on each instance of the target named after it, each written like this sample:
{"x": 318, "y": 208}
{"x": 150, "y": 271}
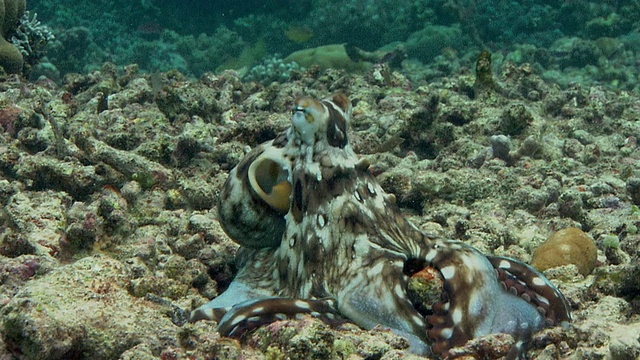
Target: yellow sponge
{"x": 564, "y": 247}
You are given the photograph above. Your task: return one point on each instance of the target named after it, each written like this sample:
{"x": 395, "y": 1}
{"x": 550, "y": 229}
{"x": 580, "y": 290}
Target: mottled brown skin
{"x": 344, "y": 247}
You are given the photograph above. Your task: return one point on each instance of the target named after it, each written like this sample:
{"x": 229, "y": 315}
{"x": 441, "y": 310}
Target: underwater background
{"x": 566, "y": 41}
{"x": 512, "y": 126}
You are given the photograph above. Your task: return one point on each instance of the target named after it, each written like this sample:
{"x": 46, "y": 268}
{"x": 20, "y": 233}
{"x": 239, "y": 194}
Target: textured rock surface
{"x": 83, "y": 310}
{"x": 108, "y": 234}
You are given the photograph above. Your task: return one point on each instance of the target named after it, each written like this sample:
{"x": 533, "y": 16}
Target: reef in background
{"x": 566, "y": 42}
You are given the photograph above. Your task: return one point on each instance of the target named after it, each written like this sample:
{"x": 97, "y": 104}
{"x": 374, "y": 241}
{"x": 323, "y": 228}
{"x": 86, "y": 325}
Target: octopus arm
{"x": 249, "y": 284}
{"x": 251, "y": 314}
{"x": 236, "y": 294}
{"x": 529, "y": 283}
{"x": 377, "y": 297}
{"x": 481, "y": 303}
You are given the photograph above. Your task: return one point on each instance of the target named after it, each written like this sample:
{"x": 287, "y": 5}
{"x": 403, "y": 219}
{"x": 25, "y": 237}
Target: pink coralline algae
{"x": 8, "y": 117}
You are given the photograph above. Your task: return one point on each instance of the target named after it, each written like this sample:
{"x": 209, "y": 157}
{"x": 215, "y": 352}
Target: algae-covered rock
{"x": 10, "y": 57}
{"x": 326, "y": 57}
{"x": 425, "y": 287}
{"x": 624, "y": 342}
{"x": 633, "y": 190}
{"x": 305, "y": 339}
{"x": 515, "y": 119}
{"x": 83, "y": 310}
{"x": 36, "y": 218}
{"x": 183, "y": 102}
{"x": 428, "y": 42}
{"x": 564, "y": 247}
{"x": 309, "y": 338}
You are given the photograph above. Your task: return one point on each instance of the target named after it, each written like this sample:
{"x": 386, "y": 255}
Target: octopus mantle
{"x": 320, "y": 236}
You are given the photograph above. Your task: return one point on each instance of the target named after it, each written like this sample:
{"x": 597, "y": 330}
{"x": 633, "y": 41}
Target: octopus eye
{"x": 270, "y": 181}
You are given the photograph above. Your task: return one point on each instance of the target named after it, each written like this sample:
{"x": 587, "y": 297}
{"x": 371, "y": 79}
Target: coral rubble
{"x": 108, "y": 184}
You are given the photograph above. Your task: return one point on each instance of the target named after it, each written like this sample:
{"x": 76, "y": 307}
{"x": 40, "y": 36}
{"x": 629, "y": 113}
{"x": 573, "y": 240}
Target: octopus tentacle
{"x": 476, "y": 304}
{"x": 249, "y": 315}
{"x": 531, "y": 285}
{"x": 253, "y": 281}
{"x": 384, "y": 302}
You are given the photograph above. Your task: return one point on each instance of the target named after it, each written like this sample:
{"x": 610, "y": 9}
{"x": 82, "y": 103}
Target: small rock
{"x": 15, "y": 244}
{"x": 570, "y": 205}
{"x": 425, "y": 287}
{"x": 515, "y": 119}
{"x": 494, "y": 346}
{"x": 625, "y": 342}
{"x": 633, "y": 189}
{"x": 500, "y": 145}
{"x": 303, "y": 339}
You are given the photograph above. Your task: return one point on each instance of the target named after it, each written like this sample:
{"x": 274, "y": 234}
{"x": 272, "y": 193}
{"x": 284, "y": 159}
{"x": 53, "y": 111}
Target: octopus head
{"x": 314, "y": 120}
{"x": 257, "y": 195}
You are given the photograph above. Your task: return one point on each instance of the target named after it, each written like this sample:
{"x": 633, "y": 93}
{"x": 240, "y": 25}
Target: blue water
{"x": 598, "y": 40}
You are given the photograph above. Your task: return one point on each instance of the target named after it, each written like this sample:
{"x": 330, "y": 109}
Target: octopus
{"x": 320, "y": 237}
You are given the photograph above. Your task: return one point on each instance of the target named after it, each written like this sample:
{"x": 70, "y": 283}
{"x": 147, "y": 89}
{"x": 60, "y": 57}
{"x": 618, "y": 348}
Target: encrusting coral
{"x": 10, "y": 13}
{"x": 31, "y": 38}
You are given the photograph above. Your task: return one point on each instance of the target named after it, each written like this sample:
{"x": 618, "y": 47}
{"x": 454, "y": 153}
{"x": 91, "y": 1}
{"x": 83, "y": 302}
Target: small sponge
{"x": 564, "y": 247}
{"x": 10, "y": 13}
